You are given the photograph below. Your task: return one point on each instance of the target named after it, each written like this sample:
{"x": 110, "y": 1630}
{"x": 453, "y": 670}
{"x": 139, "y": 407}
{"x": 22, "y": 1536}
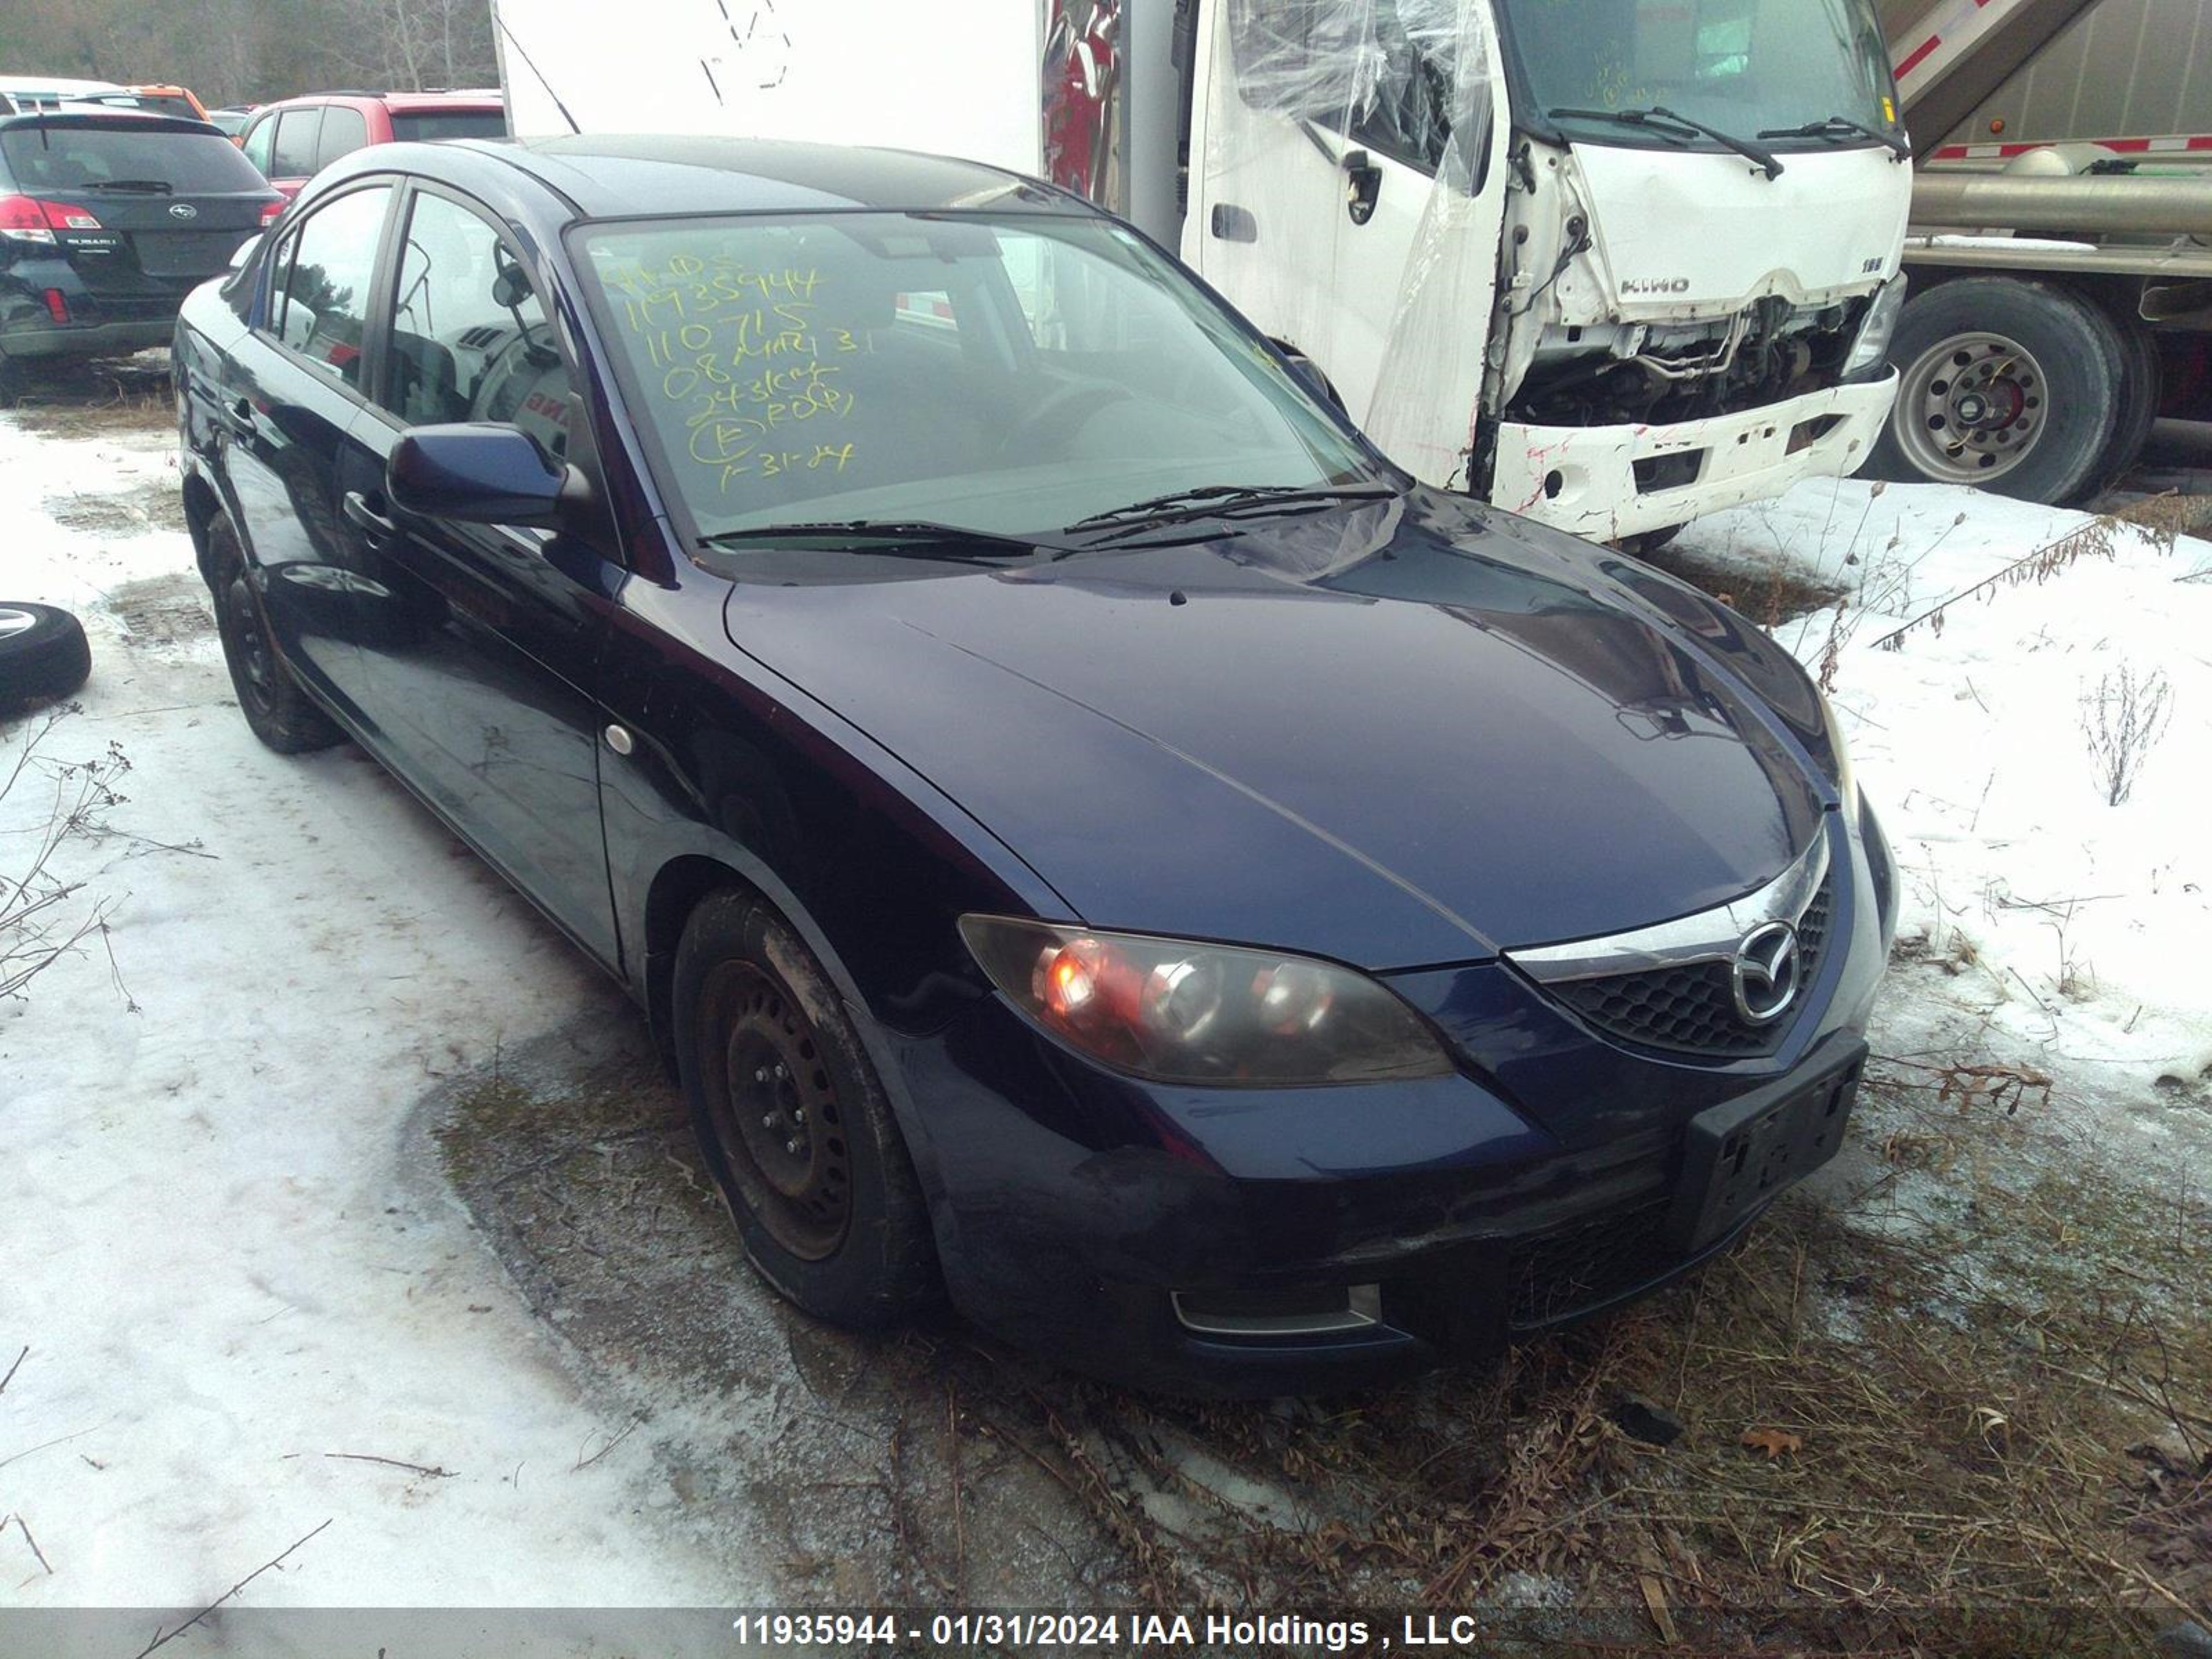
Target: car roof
{"x": 487, "y": 98}
{"x": 611, "y": 175}
{"x": 112, "y": 120}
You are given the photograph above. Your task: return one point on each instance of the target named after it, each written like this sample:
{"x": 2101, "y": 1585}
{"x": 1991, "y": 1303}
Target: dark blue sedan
{"x": 1093, "y": 837}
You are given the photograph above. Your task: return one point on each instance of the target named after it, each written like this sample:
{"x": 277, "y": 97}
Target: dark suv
{"x": 108, "y": 220}
{"x": 294, "y": 140}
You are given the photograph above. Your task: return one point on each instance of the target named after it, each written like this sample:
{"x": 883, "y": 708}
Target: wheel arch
{"x": 201, "y": 509}
{"x": 689, "y": 875}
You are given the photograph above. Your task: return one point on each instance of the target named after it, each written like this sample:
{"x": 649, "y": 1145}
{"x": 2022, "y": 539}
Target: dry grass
{"x": 110, "y": 397}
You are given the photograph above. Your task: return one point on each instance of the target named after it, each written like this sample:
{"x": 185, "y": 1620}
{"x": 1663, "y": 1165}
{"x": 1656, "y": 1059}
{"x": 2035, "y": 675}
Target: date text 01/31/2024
{"x": 1113, "y": 1631}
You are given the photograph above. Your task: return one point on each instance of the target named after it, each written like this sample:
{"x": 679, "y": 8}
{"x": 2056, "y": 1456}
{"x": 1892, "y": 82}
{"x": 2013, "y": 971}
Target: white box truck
{"x": 1610, "y": 263}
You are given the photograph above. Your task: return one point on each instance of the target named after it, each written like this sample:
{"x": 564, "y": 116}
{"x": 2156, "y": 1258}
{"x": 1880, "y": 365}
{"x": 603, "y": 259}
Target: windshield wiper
{"x": 1208, "y": 501}
{"x": 140, "y": 186}
{"x": 1649, "y": 118}
{"x": 1841, "y": 126}
{"x": 896, "y": 538}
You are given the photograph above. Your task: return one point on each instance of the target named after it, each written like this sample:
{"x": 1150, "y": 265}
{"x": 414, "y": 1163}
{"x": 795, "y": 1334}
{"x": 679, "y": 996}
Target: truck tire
{"x": 2010, "y": 385}
{"x": 2140, "y": 386}
{"x": 43, "y": 656}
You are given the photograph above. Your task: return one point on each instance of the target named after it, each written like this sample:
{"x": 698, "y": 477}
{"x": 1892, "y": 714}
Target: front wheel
{"x": 2012, "y": 386}
{"x": 792, "y": 1121}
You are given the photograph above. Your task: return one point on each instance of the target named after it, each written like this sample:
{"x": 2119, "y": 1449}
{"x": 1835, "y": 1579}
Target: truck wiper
{"x": 138, "y": 187}
{"x": 1648, "y": 117}
{"x": 1210, "y": 500}
{"x": 1841, "y": 126}
{"x": 897, "y": 538}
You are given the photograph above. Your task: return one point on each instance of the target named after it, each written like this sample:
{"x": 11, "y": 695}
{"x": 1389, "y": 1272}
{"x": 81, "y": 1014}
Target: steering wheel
{"x": 1058, "y": 417}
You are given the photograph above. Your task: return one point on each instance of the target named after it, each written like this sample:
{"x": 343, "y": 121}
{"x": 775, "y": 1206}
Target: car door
{"x": 290, "y": 400}
{"x": 1319, "y": 210}
{"x": 484, "y": 669}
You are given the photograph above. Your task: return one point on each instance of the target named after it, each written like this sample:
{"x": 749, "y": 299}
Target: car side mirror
{"x": 479, "y": 473}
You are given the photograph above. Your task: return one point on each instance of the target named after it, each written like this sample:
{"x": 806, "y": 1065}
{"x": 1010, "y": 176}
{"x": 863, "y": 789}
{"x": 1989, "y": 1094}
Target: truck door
{"x": 1342, "y": 198}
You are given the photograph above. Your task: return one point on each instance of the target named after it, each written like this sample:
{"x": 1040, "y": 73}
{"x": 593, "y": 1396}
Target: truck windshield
{"x": 1011, "y": 375}
{"x": 1745, "y": 67}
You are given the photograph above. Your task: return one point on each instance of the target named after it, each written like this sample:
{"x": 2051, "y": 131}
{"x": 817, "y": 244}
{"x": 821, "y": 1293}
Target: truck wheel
{"x": 43, "y": 655}
{"x": 2140, "y": 386}
{"x": 2012, "y": 386}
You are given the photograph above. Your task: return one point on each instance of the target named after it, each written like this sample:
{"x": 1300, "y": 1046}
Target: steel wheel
{"x": 775, "y": 1116}
{"x": 256, "y": 663}
{"x": 1970, "y": 407}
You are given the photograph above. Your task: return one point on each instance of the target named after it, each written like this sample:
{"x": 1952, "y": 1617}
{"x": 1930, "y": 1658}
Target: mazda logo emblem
{"x": 184, "y": 210}
{"x": 1764, "y": 972}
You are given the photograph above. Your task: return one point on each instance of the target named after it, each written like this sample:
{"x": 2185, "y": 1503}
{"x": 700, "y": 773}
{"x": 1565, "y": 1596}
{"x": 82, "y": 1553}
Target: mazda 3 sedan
{"x": 1093, "y": 838}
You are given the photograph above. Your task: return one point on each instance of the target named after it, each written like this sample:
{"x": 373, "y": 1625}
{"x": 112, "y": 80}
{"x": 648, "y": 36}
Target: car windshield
{"x": 1009, "y": 374}
{"x": 1743, "y": 66}
{"x": 73, "y": 155}
{"x": 411, "y": 126}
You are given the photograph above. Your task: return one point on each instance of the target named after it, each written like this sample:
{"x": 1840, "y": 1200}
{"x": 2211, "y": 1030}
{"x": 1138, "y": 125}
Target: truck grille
{"x": 1690, "y": 1008}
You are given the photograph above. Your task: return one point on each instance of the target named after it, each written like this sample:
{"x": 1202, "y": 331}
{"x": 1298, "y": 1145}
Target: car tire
{"x": 271, "y": 700}
{"x": 13, "y": 380}
{"x": 793, "y": 1124}
{"x": 43, "y": 656}
{"x": 2011, "y": 386}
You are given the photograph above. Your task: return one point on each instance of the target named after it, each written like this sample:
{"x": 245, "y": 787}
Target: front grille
{"x": 1690, "y": 1009}
{"x": 1564, "y": 1273}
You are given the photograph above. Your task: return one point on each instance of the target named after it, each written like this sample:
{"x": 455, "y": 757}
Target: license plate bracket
{"x": 1742, "y": 1152}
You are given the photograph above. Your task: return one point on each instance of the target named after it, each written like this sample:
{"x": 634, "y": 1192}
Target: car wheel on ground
{"x": 792, "y": 1121}
{"x": 43, "y": 655}
{"x": 270, "y": 698}
{"x": 2011, "y": 386}
{"x": 13, "y": 381}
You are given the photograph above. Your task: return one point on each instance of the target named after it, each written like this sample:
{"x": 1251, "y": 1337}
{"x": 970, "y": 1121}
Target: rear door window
{"x": 319, "y": 305}
{"x": 344, "y": 131}
{"x": 299, "y": 132}
{"x": 125, "y": 157}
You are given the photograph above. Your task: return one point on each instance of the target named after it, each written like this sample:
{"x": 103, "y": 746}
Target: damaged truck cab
{"x": 1610, "y": 265}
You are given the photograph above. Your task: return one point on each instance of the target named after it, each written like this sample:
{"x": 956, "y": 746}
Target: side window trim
{"x": 380, "y": 287}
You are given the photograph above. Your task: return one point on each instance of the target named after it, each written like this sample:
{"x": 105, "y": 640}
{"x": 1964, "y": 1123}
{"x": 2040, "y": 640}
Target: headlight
{"x": 1877, "y": 326}
{"x": 1847, "y": 783}
{"x": 1180, "y": 1012}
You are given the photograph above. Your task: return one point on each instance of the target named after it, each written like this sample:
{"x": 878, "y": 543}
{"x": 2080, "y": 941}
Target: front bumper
{"x": 1087, "y": 1215}
{"x": 1607, "y": 482}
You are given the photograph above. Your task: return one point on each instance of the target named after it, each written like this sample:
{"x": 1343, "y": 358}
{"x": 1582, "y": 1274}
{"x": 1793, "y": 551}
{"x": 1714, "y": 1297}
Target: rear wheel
{"x": 792, "y": 1121}
{"x": 2011, "y": 386}
{"x": 270, "y": 698}
{"x": 2140, "y": 385}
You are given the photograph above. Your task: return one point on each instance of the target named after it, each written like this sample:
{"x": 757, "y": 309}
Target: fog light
{"x": 1294, "y": 1310}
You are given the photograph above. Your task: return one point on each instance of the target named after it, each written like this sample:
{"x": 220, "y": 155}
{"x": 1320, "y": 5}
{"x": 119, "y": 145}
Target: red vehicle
{"x": 293, "y": 140}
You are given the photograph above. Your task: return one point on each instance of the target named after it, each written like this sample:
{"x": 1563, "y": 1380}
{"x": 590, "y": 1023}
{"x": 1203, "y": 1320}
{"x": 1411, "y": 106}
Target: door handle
{"x": 238, "y": 416}
{"x": 364, "y": 517}
{"x": 1363, "y": 183}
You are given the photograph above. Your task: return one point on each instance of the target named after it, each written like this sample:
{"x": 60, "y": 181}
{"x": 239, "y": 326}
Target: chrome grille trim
{"x": 1708, "y": 936}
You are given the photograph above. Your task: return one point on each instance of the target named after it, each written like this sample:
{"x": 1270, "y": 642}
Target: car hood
{"x": 1407, "y": 733}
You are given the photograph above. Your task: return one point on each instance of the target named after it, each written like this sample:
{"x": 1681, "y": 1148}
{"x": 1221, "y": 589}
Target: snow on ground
{"x": 224, "y": 1272}
{"x": 2073, "y": 932}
